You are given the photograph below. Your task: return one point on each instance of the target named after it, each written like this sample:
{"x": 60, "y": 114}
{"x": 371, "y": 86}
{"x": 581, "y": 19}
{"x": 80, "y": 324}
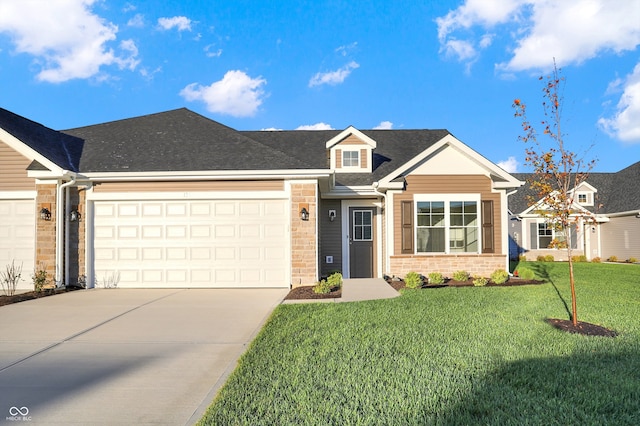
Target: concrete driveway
{"x": 116, "y": 356}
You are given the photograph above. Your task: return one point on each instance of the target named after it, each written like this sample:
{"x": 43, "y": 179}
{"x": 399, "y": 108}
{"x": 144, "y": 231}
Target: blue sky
{"x": 329, "y": 64}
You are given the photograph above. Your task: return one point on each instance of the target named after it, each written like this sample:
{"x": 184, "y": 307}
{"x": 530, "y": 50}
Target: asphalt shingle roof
{"x": 63, "y": 150}
{"x": 617, "y": 192}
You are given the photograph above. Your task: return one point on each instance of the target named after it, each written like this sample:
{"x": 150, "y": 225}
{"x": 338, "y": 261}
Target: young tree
{"x": 557, "y": 171}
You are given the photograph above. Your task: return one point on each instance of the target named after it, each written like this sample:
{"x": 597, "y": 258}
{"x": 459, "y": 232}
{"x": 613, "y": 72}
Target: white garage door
{"x": 209, "y": 243}
{"x": 17, "y": 237}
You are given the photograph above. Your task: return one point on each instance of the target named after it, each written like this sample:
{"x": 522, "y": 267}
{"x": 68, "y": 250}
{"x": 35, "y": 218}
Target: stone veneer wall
{"x": 46, "y": 231}
{"x": 474, "y": 264}
{"x": 304, "y": 240}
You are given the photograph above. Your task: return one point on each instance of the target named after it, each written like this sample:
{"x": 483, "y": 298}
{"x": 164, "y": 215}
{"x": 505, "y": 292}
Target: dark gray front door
{"x": 361, "y": 242}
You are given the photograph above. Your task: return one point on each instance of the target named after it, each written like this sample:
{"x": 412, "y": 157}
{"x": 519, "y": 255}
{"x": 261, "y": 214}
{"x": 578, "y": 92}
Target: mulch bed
{"x": 21, "y": 297}
{"x": 306, "y": 292}
{"x": 399, "y": 285}
{"x": 584, "y": 328}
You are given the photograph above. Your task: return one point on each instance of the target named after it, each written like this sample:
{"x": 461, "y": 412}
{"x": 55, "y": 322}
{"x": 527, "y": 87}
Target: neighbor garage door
{"x": 17, "y": 237}
{"x": 208, "y": 243}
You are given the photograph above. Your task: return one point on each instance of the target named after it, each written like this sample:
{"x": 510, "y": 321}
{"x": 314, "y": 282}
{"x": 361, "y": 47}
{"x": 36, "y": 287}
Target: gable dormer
{"x": 585, "y": 194}
{"x": 351, "y": 151}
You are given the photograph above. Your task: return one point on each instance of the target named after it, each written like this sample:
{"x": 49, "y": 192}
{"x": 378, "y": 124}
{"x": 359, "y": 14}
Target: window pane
{"x": 455, "y": 207}
{"x": 544, "y": 242}
{"x": 437, "y": 207}
{"x": 437, "y": 220}
{"x": 367, "y": 232}
{"x": 456, "y": 220}
{"x": 470, "y": 207}
{"x": 430, "y": 240}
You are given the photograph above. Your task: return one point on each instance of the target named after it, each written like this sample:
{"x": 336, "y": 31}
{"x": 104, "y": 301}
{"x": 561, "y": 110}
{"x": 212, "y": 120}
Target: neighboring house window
{"x": 350, "y": 158}
{"x": 447, "y": 226}
{"x": 585, "y": 198}
{"x": 545, "y": 235}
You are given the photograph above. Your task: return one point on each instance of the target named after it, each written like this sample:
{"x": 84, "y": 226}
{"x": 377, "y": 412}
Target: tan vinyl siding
{"x": 330, "y": 236}
{"x": 352, "y": 140}
{"x": 447, "y": 184}
{"x": 338, "y": 158}
{"x": 13, "y": 171}
{"x": 190, "y": 186}
{"x": 620, "y": 238}
{"x": 363, "y": 158}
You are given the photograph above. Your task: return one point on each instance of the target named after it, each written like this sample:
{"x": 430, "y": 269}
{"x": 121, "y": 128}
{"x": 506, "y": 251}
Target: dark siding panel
{"x": 330, "y": 237}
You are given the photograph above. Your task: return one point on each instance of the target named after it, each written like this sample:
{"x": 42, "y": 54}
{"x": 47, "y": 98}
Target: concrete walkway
{"x": 356, "y": 290}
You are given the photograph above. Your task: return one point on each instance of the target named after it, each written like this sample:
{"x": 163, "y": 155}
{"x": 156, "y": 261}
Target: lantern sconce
{"x": 332, "y": 215}
{"x": 304, "y": 211}
{"x": 74, "y": 215}
{"x": 45, "y": 212}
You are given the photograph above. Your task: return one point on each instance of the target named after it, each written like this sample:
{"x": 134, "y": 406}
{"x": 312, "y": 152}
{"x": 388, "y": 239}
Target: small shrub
{"x": 322, "y": 287}
{"x": 579, "y": 259}
{"x": 549, "y": 258}
{"x": 526, "y": 274}
{"x": 540, "y": 258}
{"x": 632, "y": 260}
{"x": 40, "y": 278}
{"x": 612, "y": 259}
{"x": 335, "y": 280}
{"x": 10, "y": 278}
{"x": 522, "y": 258}
{"x": 436, "y": 278}
{"x": 460, "y": 276}
{"x": 596, "y": 260}
{"x": 413, "y": 280}
{"x": 499, "y": 276}
{"x": 479, "y": 281}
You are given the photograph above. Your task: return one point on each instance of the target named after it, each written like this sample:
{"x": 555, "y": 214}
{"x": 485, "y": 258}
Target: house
{"x": 175, "y": 199}
{"x": 610, "y": 203}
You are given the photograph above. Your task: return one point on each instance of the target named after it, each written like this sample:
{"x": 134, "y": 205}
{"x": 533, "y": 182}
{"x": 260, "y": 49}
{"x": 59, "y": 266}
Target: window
{"x": 350, "y": 158}
{"x": 545, "y": 235}
{"x": 362, "y": 225}
{"x": 447, "y": 227}
{"x": 582, "y": 198}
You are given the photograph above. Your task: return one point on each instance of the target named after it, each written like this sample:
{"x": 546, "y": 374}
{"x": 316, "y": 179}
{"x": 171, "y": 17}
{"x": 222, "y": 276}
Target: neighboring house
{"x": 175, "y": 199}
{"x": 610, "y": 227}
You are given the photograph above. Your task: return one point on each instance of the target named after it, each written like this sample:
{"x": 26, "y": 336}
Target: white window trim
{"x": 447, "y": 198}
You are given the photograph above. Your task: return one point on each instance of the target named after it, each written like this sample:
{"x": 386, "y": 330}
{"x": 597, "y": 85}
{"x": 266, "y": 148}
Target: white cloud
{"x": 317, "y": 126}
{"x": 236, "y": 94}
{"x": 570, "y": 31}
{"x": 137, "y": 21}
{"x": 384, "y": 125}
{"x": 182, "y": 23}
{"x": 510, "y": 165}
{"x": 211, "y": 52}
{"x": 333, "y": 77}
{"x": 271, "y": 129}
{"x": 66, "y": 39}
{"x": 344, "y": 50}
{"x": 625, "y": 124}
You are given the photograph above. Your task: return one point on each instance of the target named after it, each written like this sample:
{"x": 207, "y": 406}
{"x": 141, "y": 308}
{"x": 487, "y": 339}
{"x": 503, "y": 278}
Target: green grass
{"x": 473, "y": 355}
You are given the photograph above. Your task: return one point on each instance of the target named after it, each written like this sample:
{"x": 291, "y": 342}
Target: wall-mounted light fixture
{"x": 45, "y": 212}
{"x": 304, "y": 211}
{"x": 75, "y": 216}
{"x": 332, "y": 215}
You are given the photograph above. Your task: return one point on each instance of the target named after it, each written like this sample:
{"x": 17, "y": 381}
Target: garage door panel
{"x": 215, "y": 243}
{"x": 17, "y": 237}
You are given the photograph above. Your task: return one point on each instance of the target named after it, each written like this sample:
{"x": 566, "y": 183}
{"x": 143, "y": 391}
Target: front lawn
{"x": 472, "y": 355}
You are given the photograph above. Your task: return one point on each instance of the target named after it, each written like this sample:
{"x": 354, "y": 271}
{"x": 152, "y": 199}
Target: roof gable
{"x": 450, "y": 156}
{"x": 53, "y": 150}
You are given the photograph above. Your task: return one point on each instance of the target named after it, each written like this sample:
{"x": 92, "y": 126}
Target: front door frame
{"x": 377, "y": 234}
